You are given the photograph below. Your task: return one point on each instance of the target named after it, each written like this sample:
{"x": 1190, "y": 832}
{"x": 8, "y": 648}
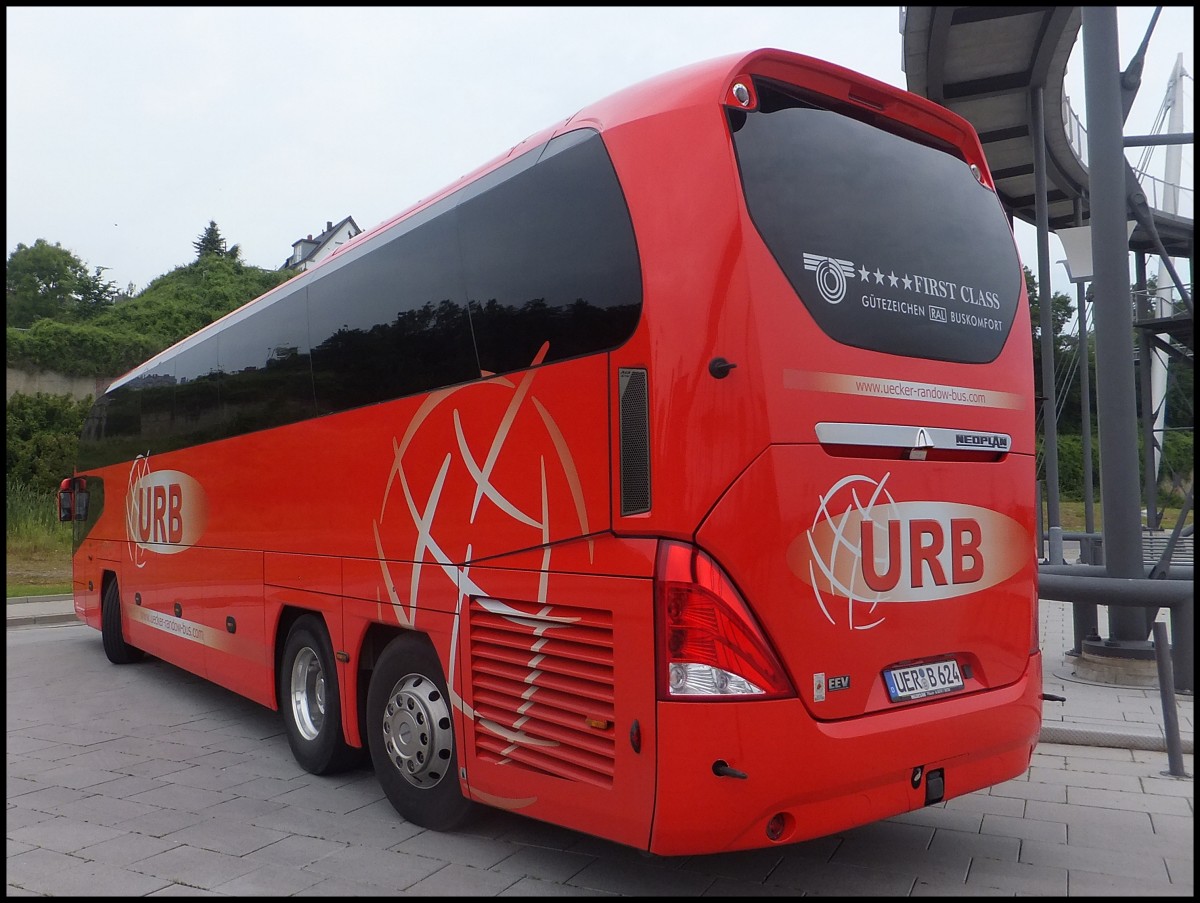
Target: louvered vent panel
{"x": 542, "y": 680}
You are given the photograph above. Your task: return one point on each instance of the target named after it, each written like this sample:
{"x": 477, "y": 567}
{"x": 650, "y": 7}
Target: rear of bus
{"x": 827, "y": 417}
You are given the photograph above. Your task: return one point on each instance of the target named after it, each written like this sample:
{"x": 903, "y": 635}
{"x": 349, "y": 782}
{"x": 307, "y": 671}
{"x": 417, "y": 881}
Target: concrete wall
{"x": 30, "y": 382}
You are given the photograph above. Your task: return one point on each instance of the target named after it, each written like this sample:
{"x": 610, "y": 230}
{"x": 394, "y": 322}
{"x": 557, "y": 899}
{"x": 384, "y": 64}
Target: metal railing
{"x": 1157, "y": 190}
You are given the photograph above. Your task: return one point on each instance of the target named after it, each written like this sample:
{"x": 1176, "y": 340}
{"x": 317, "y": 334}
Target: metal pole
{"x": 1120, "y": 591}
{"x": 1116, "y": 410}
{"x": 1085, "y": 390}
{"x": 1085, "y": 617}
{"x": 1145, "y": 369}
{"x": 1183, "y": 650}
{"x": 1173, "y": 166}
{"x": 1166, "y": 689}
{"x": 1160, "y": 369}
{"x": 1046, "y": 321}
{"x": 1171, "y": 140}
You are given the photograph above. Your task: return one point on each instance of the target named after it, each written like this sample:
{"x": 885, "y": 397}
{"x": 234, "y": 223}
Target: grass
{"x": 37, "y": 546}
{"x": 1071, "y": 514}
{"x": 15, "y": 590}
{"x": 32, "y": 519}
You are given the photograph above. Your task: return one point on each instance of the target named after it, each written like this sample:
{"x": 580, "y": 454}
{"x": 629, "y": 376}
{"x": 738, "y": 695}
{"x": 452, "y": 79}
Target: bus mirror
{"x": 66, "y": 501}
{"x": 72, "y": 500}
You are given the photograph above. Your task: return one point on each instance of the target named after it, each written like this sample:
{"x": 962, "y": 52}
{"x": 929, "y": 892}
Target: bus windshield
{"x": 892, "y": 245}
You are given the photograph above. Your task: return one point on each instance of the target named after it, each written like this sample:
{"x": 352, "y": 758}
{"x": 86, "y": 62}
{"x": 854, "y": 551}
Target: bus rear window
{"x": 891, "y": 245}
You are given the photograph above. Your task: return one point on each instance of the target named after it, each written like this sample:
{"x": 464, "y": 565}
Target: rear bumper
{"x": 822, "y": 778}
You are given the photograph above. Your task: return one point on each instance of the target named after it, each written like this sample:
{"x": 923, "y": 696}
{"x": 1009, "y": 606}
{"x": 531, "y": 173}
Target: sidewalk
{"x": 40, "y": 611}
{"x": 1093, "y": 714}
{"x": 1099, "y": 714}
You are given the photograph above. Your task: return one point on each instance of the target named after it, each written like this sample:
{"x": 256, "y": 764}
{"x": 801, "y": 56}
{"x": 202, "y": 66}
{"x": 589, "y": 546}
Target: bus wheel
{"x": 118, "y": 651}
{"x": 410, "y": 731}
{"x": 309, "y": 700}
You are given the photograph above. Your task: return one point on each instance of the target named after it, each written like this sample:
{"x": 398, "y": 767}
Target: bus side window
{"x": 393, "y": 322}
{"x": 110, "y": 432}
{"x": 265, "y": 372}
{"x": 196, "y": 411}
{"x": 549, "y": 256}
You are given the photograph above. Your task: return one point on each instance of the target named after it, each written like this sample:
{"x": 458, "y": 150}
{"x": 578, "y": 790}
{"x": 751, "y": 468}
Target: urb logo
{"x": 866, "y": 549}
{"x": 831, "y": 275}
{"x": 165, "y": 511}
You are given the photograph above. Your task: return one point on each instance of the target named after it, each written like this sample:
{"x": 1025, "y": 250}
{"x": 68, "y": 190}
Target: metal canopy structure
{"x": 982, "y": 62}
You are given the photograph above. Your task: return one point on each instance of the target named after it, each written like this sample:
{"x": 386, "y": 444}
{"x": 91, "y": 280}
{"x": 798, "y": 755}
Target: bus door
{"x": 231, "y": 611}
{"x": 167, "y": 573}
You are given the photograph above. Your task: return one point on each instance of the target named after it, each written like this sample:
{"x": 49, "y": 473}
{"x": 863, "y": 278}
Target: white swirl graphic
{"x": 479, "y": 471}
{"x": 845, "y": 498}
{"x": 139, "y": 470}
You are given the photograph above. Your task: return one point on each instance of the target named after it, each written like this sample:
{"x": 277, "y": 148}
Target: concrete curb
{"x": 40, "y": 611}
{"x": 1078, "y": 736}
{"x": 58, "y": 620}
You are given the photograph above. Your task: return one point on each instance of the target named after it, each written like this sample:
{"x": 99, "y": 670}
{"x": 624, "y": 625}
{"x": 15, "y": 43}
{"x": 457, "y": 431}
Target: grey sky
{"x": 129, "y": 129}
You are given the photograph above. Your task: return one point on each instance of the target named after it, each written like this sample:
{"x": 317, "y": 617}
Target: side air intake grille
{"x": 542, "y": 684}
{"x": 635, "y": 442}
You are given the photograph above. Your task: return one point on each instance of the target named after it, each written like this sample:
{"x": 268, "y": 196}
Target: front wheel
{"x": 309, "y": 700}
{"x": 410, "y": 731}
{"x": 118, "y": 651}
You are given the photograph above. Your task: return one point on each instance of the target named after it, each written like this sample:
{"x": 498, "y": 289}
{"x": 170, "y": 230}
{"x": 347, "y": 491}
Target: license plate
{"x": 919, "y": 681}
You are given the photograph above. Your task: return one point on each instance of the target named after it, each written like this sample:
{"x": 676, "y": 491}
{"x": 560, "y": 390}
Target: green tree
{"x": 210, "y": 242}
{"x": 46, "y": 281}
{"x": 42, "y": 437}
{"x": 1062, "y": 308}
{"x": 1065, "y": 349}
{"x": 168, "y": 309}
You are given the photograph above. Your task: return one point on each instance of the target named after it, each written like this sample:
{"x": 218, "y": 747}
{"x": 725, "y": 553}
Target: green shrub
{"x": 1175, "y": 469}
{"x": 43, "y": 438}
{"x": 124, "y": 335}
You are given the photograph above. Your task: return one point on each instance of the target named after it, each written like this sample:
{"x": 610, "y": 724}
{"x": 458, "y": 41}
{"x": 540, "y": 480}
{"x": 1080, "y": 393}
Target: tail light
{"x": 709, "y": 644}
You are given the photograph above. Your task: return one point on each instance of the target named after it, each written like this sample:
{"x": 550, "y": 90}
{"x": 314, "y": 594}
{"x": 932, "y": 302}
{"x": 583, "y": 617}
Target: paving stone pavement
{"x": 146, "y": 781}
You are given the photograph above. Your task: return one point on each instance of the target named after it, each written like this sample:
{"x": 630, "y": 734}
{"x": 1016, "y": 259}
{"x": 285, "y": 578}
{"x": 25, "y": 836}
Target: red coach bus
{"x": 669, "y": 479}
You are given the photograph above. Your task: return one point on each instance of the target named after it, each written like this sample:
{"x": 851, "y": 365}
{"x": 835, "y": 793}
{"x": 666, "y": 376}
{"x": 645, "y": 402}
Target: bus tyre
{"x": 410, "y": 731}
{"x": 118, "y": 651}
{"x": 309, "y": 700}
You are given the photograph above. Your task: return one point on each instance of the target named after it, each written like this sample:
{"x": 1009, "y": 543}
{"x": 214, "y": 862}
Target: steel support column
{"x": 1046, "y": 322}
{"x": 1113, "y": 315}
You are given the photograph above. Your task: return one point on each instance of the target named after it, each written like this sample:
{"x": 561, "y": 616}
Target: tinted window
{"x": 197, "y": 412}
{"x": 266, "y": 376}
{"x": 393, "y": 321}
{"x": 550, "y": 258}
{"x": 157, "y": 390}
{"x": 891, "y": 245}
{"x": 135, "y": 418}
{"x": 539, "y": 252}
{"x": 112, "y": 429}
